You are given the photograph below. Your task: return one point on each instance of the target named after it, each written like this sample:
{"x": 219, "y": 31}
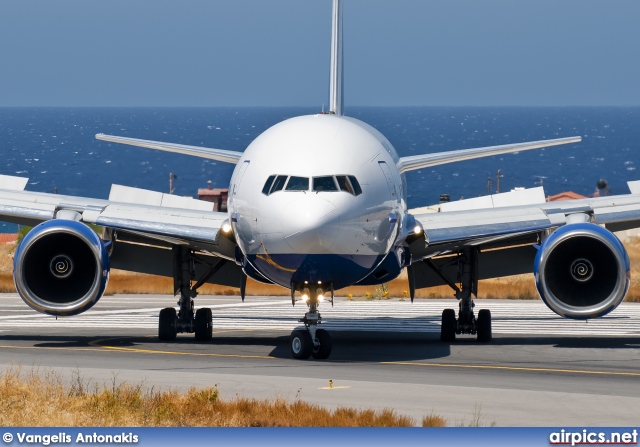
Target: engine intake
{"x": 61, "y": 267}
{"x": 582, "y": 271}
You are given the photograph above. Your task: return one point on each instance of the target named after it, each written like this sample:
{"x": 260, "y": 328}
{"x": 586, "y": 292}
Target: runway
{"x": 540, "y": 369}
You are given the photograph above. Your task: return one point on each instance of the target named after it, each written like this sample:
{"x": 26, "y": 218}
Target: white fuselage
{"x": 313, "y": 234}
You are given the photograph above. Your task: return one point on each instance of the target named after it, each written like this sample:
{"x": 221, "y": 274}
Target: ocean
{"x": 56, "y": 148}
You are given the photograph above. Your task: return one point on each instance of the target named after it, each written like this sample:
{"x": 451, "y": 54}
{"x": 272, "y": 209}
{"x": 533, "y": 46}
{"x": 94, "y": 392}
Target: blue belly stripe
{"x": 342, "y": 270}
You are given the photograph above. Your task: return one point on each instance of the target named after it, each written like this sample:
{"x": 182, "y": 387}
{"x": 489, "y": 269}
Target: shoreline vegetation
{"x": 45, "y": 399}
{"x": 519, "y": 287}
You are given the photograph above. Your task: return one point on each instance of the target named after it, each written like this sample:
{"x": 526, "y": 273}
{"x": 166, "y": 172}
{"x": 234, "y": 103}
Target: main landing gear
{"x": 310, "y": 341}
{"x": 187, "y": 319}
{"x": 466, "y": 323}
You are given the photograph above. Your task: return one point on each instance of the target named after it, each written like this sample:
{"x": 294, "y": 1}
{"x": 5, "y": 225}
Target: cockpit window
{"x": 344, "y": 184}
{"x": 297, "y": 184}
{"x": 267, "y": 185}
{"x": 348, "y": 183}
{"x": 278, "y": 184}
{"x": 324, "y": 184}
{"x": 356, "y": 186}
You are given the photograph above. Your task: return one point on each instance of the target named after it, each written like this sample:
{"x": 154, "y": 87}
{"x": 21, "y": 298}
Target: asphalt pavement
{"x": 539, "y": 370}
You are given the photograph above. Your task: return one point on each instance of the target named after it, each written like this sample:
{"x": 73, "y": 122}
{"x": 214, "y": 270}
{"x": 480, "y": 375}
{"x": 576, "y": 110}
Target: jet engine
{"x": 582, "y": 271}
{"x": 61, "y": 267}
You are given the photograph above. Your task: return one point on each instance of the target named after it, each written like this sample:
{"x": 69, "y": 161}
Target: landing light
{"x": 417, "y": 229}
{"x": 320, "y": 297}
{"x": 226, "y": 227}
{"x": 305, "y": 297}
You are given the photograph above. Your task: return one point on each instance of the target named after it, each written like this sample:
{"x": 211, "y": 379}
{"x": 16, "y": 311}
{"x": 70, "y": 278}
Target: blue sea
{"x": 56, "y": 148}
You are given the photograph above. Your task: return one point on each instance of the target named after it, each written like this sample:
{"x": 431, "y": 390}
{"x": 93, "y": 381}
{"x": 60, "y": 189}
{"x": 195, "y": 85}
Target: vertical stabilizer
{"x": 335, "y": 93}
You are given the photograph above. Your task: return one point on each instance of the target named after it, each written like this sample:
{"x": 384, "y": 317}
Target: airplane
{"x": 318, "y": 203}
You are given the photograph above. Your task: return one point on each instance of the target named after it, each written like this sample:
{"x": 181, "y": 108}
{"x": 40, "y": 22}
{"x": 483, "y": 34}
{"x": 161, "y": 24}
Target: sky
{"x": 212, "y": 53}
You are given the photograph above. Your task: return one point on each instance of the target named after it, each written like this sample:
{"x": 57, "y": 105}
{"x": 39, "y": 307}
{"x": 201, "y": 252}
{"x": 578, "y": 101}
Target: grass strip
{"x": 44, "y": 398}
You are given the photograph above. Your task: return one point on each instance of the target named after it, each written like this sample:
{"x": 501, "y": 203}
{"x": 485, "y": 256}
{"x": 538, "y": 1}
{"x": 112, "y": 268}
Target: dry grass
{"x": 633, "y": 249}
{"x": 433, "y": 420}
{"x": 512, "y": 287}
{"x": 45, "y": 399}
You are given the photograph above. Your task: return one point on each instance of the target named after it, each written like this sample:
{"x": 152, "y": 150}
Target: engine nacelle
{"x": 582, "y": 271}
{"x": 61, "y": 267}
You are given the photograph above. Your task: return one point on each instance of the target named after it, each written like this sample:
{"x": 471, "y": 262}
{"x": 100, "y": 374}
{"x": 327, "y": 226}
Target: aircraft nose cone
{"x": 310, "y": 224}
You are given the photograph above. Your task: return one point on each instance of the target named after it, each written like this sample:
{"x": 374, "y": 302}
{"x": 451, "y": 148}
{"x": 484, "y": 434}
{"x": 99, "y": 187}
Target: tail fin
{"x": 335, "y": 93}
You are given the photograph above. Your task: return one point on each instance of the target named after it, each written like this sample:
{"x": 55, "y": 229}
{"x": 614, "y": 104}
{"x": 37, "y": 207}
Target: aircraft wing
{"x": 505, "y": 235}
{"x": 195, "y": 151}
{"x": 440, "y": 158}
{"x": 619, "y": 212}
{"x": 149, "y": 216}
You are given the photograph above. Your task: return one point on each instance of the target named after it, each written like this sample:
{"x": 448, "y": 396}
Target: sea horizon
{"x": 55, "y": 146}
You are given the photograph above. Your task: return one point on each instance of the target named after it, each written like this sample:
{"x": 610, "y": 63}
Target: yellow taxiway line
{"x": 102, "y": 348}
{"x": 514, "y": 368}
{"x": 192, "y": 354}
{"x": 98, "y": 343}
{"x": 51, "y": 348}
{"x": 96, "y": 346}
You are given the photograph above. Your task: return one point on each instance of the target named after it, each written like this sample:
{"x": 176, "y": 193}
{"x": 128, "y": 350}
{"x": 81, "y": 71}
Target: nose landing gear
{"x": 311, "y": 341}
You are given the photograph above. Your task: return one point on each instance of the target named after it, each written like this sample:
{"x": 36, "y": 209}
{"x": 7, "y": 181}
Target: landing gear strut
{"x": 187, "y": 319}
{"x": 310, "y": 341}
{"x": 466, "y": 323}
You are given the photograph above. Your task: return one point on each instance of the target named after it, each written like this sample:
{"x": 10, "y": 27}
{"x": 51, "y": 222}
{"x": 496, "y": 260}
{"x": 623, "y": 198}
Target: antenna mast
{"x": 172, "y": 177}
{"x": 335, "y": 92}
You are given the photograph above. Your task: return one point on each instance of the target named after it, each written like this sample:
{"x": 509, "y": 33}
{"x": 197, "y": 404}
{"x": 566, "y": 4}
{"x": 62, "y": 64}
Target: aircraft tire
{"x": 301, "y": 344}
{"x": 484, "y": 326}
{"x": 324, "y": 350}
{"x": 167, "y": 324}
{"x": 203, "y": 324}
{"x": 449, "y": 323}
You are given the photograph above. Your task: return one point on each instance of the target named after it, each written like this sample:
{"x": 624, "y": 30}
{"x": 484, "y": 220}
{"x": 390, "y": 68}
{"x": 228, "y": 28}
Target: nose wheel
{"x": 303, "y": 347}
{"x": 301, "y": 344}
{"x": 323, "y": 349}
{"x": 311, "y": 341}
